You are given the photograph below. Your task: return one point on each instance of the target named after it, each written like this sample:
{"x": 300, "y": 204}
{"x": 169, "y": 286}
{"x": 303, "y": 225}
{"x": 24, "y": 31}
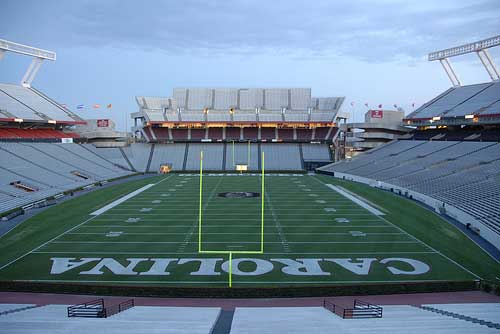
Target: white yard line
{"x": 121, "y": 200}
{"x": 236, "y": 242}
{"x": 267, "y": 253}
{"x": 356, "y": 200}
{"x": 225, "y": 281}
{"x": 228, "y": 233}
{"x": 279, "y": 228}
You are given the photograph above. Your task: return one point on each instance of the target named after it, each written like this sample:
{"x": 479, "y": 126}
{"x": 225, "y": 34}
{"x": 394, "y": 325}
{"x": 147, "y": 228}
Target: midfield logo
{"x": 215, "y": 266}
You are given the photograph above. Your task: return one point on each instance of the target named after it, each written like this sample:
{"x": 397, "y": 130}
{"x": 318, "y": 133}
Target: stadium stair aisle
{"x": 469, "y": 313}
{"x": 224, "y": 322}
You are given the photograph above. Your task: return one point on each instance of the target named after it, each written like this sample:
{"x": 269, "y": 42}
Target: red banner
{"x": 377, "y": 113}
{"x": 103, "y": 123}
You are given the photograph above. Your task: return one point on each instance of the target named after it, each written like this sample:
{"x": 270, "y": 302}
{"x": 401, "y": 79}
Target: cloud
{"x": 374, "y": 31}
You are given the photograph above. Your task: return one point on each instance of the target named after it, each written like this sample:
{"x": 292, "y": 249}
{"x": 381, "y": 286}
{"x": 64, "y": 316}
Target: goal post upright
{"x": 262, "y": 207}
{"x": 200, "y": 204}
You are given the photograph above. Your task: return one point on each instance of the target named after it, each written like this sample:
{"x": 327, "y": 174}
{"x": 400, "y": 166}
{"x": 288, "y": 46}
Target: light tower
{"x": 480, "y": 47}
{"x": 39, "y": 55}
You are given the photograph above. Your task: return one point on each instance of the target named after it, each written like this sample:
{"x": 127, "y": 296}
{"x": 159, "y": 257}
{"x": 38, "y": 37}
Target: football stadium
{"x": 251, "y": 210}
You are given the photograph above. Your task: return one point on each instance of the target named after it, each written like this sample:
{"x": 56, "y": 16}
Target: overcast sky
{"x": 369, "y": 51}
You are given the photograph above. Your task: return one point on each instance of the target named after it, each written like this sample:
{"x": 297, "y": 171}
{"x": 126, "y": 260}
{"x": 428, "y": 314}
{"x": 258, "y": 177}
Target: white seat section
{"x": 49, "y": 168}
{"x": 54, "y": 319}
{"x": 315, "y": 152}
{"x": 281, "y": 156}
{"x": 168, "y": 154}
{"x": 138, "y": 154}
{"x": 396, "y": 319}
{"x": 241, "y": 156}
{"x": 36, "y": 102}
{"x": 15, "y": 108}
{"x": 19, "y": 166}
{"x": 30, "y": 152}
{"x": 462, "y": 174}
{"x": 112, "y": 154}
{"x": 482, "y": 311}
{"x": 212, "y": 156}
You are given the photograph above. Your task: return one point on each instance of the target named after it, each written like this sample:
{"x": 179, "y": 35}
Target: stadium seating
{"x": 242, "y": 156}
{"x": 478, "y": 99}
{"x": 396, "y": 319}
{"x": 282, "y": 156}
{"x": 315, "y": 152}
{"x": 52, "y": 169}
{"x": 30, "y": 104}
{"x": 16, "y": 133}
{"x": 145, "y": 319}
{"x": 212, "y": 156}
{"x": 138, "y": 154}
{"x": 172, "y": 154}
{"x": 465, "y": 175}
{"x": 481, "y": 311}
{"x": 232, "y": 133}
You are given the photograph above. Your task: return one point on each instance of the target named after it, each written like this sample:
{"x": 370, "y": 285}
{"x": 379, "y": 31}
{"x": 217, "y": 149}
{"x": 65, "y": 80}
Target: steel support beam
{"x": 450, "y": 72}
{"x": 488, "y": 64}
{"x": 30, "y": 74}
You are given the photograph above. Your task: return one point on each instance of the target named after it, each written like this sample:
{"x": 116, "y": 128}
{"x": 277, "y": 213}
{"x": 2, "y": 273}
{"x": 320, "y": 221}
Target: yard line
{"x": 228, "y": 233}
{"x": 269, "y": 227}
{"x": 356, "y": 200}
{"x": 235, "y": 242}
{"x": 121, "y": 200}
{"x": 225, "y": 281}
{"x": 267, "y": 253}
{"x": 284, "y": 242}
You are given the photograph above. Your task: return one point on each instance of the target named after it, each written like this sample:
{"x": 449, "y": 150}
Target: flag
{"x": 366, "y": 105}
{"x": 413, "y": 104}
{"x": 64, "y": 106}
{"x": 396, "y": 106}
{"x": 109, "y": 106}
{"x": 352, "y": 104}
{"x": 380, "y": 106}
{"x": 96, "y": 106}
{"x": 80, "y": 106}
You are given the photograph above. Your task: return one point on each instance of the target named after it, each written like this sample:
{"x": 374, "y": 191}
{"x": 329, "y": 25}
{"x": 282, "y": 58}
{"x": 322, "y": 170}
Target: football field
{"x": 312, "y": 233}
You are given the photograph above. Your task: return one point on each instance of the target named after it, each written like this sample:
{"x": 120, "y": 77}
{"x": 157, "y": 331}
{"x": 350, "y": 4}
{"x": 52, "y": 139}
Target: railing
{"x": 361, "y": 309}
{"x": 96, "y": 309}
{"x": 92, "y": 309}
{"x": 117, "y": 308}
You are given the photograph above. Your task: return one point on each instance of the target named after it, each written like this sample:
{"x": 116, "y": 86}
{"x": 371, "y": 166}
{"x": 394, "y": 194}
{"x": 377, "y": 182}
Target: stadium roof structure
{"x": 463, "y": 105}
{"x": 481, "y": 49}
{"x": 22, "y": 103}
{"x": 472, "y": 104}
{"x": 239, "y": 105}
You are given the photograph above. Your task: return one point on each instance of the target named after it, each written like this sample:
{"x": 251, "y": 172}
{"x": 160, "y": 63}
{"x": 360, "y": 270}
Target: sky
{"x": 369, "y": 51}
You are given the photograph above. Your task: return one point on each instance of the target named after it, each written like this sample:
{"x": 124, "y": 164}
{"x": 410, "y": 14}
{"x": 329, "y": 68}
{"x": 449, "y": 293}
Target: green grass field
{"x": 312, "y": 236}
